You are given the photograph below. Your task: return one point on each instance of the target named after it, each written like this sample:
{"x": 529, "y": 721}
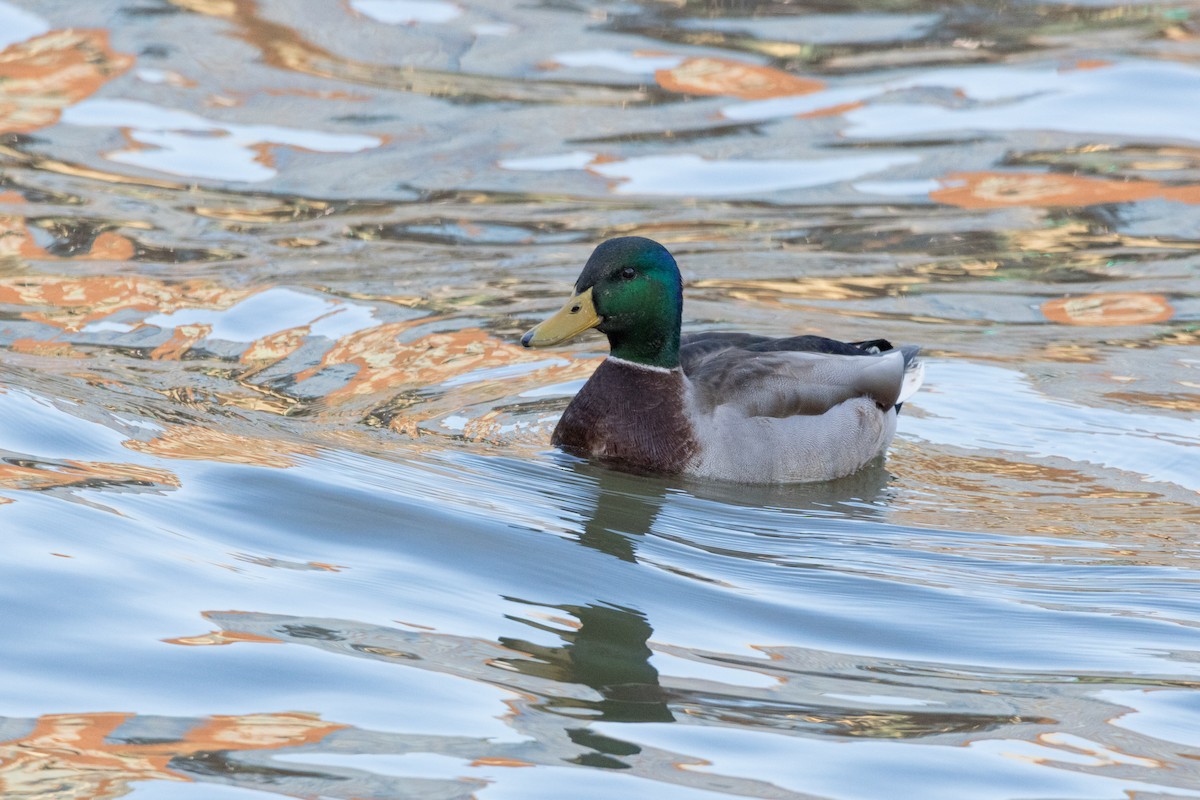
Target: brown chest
{"x": 630, "y": 417}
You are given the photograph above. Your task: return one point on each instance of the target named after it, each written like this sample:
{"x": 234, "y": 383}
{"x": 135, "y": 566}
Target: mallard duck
{"x": 728, "y": 406}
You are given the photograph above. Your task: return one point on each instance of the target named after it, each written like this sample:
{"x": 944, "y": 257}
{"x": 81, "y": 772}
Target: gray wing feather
{"x": 788, "y": 383}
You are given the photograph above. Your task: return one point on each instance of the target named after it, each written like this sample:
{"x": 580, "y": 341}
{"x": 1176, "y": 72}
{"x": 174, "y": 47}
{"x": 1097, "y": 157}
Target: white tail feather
{"x": 914, "y": 375}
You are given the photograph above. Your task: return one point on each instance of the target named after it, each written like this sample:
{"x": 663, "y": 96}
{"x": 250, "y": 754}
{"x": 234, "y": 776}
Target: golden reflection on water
{"x": 1179, "y": 401}
{"x": 1070, "y": 353}
{"x": 1036, "y": 498}
{"x": 1103, "y": 157}
{"x": 1184, "y": 337}
{"x": 76, "y": 170}
{"x": 772, "y": 292}
{"x": 266, "y": 211}
{"x": 1087, "y": 245}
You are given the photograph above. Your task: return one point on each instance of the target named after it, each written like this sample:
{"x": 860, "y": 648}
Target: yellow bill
{"x": 574, "y": 318}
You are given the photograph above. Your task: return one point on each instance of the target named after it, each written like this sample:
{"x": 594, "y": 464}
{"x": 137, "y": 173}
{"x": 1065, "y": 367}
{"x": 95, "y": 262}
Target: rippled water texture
{"x": 278, "y": 511}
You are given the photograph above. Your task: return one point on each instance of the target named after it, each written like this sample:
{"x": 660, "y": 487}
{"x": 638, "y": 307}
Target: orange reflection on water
{"x": 16, "y": 239}
{"x": 43, "y": 75}
{"x": 387, "y": 365}
{"x": 37, "y": 476}
{"x": 221, "y": 638}
{"x": 184, "y": 338}
{"x": 72, "y": 303}
{"x": 110, "y": 246}
{"x": 722, "y": 76}
{"x": 1112, "y": 308}
{"x": 831, "y": 111}
{"x": 41, "y": 347}
{"x": 69, "y": 756}
{"x": 1006, "y": 189}
{"x": 494, "y": 425}
{"x": 275, "y": 347}
{"x": 208, "y": 444}
{"x": 497, "y": 761}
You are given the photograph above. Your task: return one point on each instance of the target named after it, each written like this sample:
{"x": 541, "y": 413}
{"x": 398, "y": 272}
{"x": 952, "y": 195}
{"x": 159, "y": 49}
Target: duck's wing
{"x": 695, "y": 347}
{"x": 756, "y": 377}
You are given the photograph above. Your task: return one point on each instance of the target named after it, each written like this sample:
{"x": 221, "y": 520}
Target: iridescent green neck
{"x": 655, "y": 348}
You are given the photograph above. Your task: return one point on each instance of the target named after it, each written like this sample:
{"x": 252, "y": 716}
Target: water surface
{"x": 278, "y": 508}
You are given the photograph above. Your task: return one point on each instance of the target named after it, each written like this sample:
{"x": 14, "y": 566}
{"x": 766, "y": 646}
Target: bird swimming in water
{"x": 726, "y": 406}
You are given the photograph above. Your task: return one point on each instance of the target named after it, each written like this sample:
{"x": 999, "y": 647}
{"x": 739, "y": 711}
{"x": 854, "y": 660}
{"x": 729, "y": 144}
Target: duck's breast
{"x": 630, "y": 416}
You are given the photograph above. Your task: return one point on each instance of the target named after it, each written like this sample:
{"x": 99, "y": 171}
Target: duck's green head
{"x": 629, "y": 290}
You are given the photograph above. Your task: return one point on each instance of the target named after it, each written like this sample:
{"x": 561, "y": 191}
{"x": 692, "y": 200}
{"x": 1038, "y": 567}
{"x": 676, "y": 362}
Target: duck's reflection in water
{"x": 605, "y": 647}
{"x": 597, "y": 666}
{"x": 602, "y": 673}
{"x": 585, "y": 671}
{"x": 607, "y": 650}
{"x": 620, "y": 507}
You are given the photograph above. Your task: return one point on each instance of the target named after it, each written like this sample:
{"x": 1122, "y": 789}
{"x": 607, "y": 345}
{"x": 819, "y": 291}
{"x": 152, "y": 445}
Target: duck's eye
{"x": 628, "y": 273}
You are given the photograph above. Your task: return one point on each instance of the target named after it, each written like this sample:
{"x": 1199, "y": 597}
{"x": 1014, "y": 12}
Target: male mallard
{"x": 731, "y": 406}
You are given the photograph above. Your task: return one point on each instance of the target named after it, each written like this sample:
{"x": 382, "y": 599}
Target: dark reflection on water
{"x": 607, "y": 651}
{"x": 625, "y": 507}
